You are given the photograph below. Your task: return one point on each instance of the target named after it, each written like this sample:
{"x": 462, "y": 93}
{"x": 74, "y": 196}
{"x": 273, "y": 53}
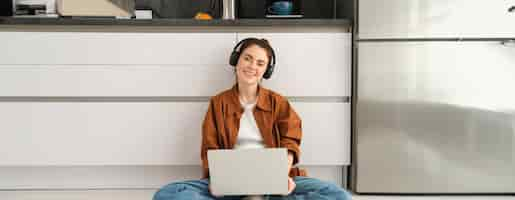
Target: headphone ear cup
{"x": 233, "y": 60}
{"x": 270, "y": 67}
{"x": 268, "y": 72}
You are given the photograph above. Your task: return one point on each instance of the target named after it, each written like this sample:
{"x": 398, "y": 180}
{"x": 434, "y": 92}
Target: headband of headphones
{"x": 235, "y": 55}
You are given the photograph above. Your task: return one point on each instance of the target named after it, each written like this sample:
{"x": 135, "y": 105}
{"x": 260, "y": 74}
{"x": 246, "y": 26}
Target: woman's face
{"x": 251, "y": 65}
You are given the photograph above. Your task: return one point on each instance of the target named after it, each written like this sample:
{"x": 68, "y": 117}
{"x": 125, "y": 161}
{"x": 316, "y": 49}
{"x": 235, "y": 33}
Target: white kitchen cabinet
{"x": 102, "y": 48}
{"x": 326, "y": 133}
{"x": 171, "y": 64}
{"x": 123, "y": 179}
{"x": 51, "y": 127}
{"x": 114, "y": 64}
{"x": 114, "y": 80}
{"x": 315, "y": 64}
{"x": 310, "y": 64}
{"x": 436, "y": 19}
{"x": 117, "y": 133}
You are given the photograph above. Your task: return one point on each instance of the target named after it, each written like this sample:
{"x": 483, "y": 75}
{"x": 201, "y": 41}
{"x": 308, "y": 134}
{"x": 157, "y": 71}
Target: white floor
{"x": 147, "y": 195}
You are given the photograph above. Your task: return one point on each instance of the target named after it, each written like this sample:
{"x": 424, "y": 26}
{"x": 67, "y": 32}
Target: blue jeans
{"x": 307, "y": 188}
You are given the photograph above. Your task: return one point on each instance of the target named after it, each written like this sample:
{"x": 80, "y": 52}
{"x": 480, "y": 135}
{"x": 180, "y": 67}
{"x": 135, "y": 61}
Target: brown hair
{"x": 263, "y": 43}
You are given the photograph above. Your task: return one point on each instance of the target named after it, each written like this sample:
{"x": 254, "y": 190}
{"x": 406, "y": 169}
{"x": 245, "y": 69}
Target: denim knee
{"x": 338, "y": 193}
{"x": 169, "y": 190}
{"x": 345, "y": 195}
{"x": 333, "y": 191}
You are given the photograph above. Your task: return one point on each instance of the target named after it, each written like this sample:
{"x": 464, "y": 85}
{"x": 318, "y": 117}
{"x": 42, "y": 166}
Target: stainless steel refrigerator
{"x": 434, "y": 106}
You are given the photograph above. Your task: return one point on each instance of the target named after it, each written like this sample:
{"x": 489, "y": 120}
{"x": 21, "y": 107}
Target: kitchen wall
{"x": 187, "y": 9}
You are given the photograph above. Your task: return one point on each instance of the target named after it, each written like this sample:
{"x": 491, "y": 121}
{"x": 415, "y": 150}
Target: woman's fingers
{"x": 209, "y": 188}
{"x": 291, "y": 185}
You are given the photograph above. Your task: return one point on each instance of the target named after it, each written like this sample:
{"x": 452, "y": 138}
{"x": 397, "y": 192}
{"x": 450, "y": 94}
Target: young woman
{"x": 250, "y": 116}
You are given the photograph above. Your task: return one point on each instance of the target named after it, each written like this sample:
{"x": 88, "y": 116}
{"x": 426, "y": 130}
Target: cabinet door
{"x": 315, "y": 64}
{"x": 184, "y": 80}
{"x": 114, "y": 64}
{"x": 436, "y": 19}
{"x": 140, "y": 133}
{"x": 101, "y": 48}
{"x": 309, "y": 64}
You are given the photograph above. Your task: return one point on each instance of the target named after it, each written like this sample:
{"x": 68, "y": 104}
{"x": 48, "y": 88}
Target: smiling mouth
{"x": 248, "y": 73}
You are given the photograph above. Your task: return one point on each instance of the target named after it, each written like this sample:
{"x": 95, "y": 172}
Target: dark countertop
{"x": 174, "y": 22}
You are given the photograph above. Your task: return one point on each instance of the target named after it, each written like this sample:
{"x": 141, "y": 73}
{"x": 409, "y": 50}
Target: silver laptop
{"x": 248, "y": 171}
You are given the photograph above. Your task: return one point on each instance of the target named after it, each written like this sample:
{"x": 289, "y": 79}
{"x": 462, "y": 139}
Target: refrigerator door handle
{"x": 508, "y": 43}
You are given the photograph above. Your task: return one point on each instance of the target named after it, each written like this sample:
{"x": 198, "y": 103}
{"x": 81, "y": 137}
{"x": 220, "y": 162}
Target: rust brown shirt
{"x": 278, "y": 123}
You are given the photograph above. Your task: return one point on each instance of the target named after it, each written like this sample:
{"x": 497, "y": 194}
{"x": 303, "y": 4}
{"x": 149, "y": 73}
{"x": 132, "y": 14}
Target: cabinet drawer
{"x": 316, "y": 64}
{"x": 103, "y": 48}
{"x": 114, "y": 80}
{"x": 160, "y": 133}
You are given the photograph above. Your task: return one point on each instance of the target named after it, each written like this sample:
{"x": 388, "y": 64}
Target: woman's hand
{"x": 291, "y": 185}
{"x": 290, "y": 161}
{"x": 209, "y": 188}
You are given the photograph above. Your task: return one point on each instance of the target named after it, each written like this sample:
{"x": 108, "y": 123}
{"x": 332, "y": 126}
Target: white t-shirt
{"x": 248, "y": 134}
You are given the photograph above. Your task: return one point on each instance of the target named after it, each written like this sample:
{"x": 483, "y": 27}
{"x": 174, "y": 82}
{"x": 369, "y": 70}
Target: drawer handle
{"x": 508, "y": 43}
{"x": 512, "y": 9}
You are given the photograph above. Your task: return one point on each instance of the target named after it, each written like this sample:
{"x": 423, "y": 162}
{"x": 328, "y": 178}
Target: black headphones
{"x": 235, "y": 55}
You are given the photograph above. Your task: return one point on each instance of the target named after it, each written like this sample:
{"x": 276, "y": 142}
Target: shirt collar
{"x": 262, "y": 103}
